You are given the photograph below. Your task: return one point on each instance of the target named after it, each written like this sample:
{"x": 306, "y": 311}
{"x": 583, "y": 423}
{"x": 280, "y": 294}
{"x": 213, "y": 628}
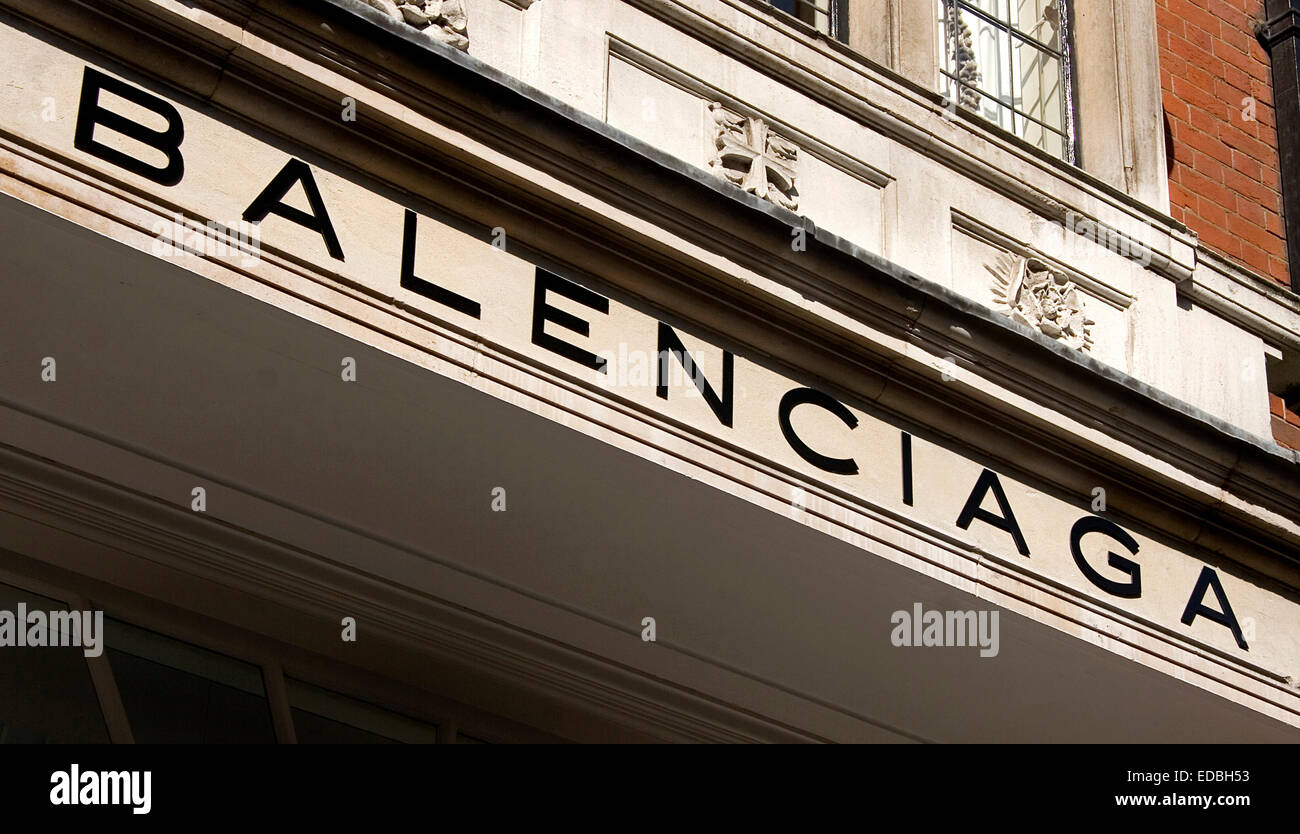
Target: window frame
{"x": 275, "y": 661}
{"x": 836, "y": 11}
{"x": 1066, "y": 56}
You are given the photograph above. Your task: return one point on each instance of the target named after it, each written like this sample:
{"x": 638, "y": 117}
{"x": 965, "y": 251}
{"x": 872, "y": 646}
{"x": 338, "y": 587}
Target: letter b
{"x": 90, "y": 114}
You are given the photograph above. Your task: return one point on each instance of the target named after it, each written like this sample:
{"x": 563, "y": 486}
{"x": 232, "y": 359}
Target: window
{"x": 324, "y": 717}
{"x": 175, "y": 692}
{"x": 46, "y": 693}
{"x": 147, "y": 686}
{"x": 1010, "y": 61}
{"x": 830, "y": 17}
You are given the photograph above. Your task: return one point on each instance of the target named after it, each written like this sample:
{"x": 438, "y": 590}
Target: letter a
{"x": 988, "y": 482}
{"x": 59, "y": 794}
{"x": 271, "y": 201}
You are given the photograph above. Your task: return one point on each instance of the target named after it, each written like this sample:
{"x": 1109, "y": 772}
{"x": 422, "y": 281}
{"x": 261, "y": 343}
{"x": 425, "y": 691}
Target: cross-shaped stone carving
{"x": 750, "y": 155}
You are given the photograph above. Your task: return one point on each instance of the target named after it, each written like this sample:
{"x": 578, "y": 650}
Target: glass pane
{"x": 1038, "y": 76}
{"x": 177, "y": 693}
{"x": 46, "y": 696}
{"x": 1054, "y": 143}
{"x": 324, "y": 717}
{"x": 983, "y": 55}
{"x": 1039, "y": 19}
{"x": 1050, "y": 141}
{"x": 815, "y": 13}
{"x": 994, "y": 8}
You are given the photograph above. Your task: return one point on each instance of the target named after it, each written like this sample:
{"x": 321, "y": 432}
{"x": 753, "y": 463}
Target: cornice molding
{"x": 1255, "y": 304}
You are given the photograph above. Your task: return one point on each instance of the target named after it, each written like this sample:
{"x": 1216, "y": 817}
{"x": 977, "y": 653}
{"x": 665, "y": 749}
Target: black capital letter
{"x": 799, "y": 396}
{"x": 907, "y": 468}
{"x": 428, "y": 289}
{"x": 271, "y": 201}
{"x": 671, "y": 343}
{"x": 988, "y": 481}
{"x": 89, "y": 114}
{"x": 543, "y": 312}
{"x": 1196, "y": 606}
{"x": 1096, "y": 524}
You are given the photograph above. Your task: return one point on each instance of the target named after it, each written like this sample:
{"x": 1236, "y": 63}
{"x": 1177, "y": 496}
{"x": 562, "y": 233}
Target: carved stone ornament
{"x": 441, "y": 20}
{"x": 750, "y": 155}
{"x": 1028, "y": 291}
{"x": 962, "y": 51}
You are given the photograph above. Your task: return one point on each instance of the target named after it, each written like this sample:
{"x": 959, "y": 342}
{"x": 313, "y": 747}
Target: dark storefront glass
{"x": 324, "y": 717}
{"x": 177, "y": 693}
{"x": 46, "y": 695}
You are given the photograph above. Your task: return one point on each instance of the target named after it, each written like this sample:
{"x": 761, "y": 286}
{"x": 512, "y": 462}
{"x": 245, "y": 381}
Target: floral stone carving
{"x": 442, "y": 20}
{"x": 1031, "y": 293}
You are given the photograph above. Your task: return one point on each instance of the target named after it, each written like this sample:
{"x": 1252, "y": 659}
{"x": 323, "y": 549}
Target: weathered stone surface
{"x": 750, "y": 155}
{"x": 442, "y": 20}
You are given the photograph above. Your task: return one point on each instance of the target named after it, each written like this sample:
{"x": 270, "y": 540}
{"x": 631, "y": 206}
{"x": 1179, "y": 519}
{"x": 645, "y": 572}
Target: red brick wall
{"x": 1286, "y": 423}
{"x": 1224, "y": 183}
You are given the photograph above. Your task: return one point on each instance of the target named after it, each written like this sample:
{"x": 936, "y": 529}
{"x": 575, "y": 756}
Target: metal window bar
{"x": 1011, "y": 108}
{"x": 1064, "y": 56}
{"x": 828, "y": 16}
{"x": 1007, "y": 26}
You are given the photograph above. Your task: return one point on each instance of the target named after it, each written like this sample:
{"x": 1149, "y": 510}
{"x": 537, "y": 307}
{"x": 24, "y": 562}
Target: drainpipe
{"x": 1281, "y": 37}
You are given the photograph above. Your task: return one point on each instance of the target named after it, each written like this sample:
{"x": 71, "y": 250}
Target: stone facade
{"x": 622, "y": 369}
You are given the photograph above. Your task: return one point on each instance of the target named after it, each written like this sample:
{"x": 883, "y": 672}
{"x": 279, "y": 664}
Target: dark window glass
{"x": 829, "y": 16}
{"x": 46, "y": 695}
{"x": 177, "y": 693}
{"x": 324, "y": 717}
